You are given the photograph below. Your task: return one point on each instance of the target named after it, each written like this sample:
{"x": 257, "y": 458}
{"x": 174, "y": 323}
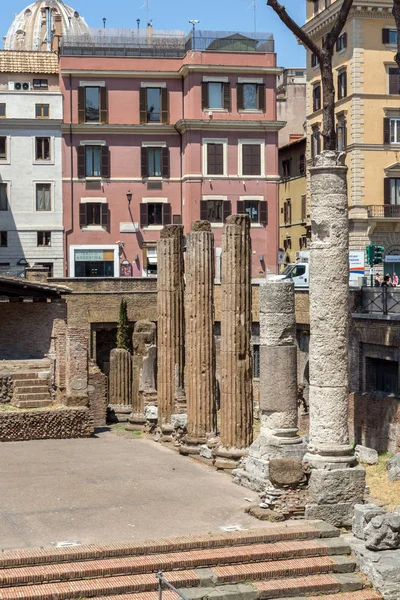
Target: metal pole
{"x": 194, "y": 37}
{"x": 159, "y": 575}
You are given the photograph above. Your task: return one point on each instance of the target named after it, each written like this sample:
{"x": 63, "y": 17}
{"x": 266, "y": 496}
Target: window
{"x": 302, "y": 164}
{"x": 298, "y": 270}
{"x": 391, "y": 130}
{"x": 341, "y": 42}
{"x": 286, "y": 168}
{"x": 42, "y": 145}
{"x": 154, "y": 105}
{"x": 287, "y": 244}
{"x": 155, "y": 162}
{"x": 42, "y": 111}
{"x": 92, "y": 104}
{"x": 314, "y": 60}
{"x": 215, "y": 159}
{"x": 250, "y": 96}
{"x": 3, "y": 196}
{"x": 216, "y": 95}
{"x": 341, "y": 136}
{"x": 43, "y": 196}
{"x": 316, "y": 6}
{"x": 93, "y": 161}
{"x": 2, "y": 109}
{"x": 287, "y": 212}
{"x": 215, "y": 211}
{"x": 394, "y": 197}
{"x": 251, "y": 159}
{"x": 394, "y": 80}
{"x": 382, "y": 376}
{"x": 303, "y": 242}
{"x": 315, "y": 142}
{"x": 316, "y": 97}
{"x": 299, "y": 74}
{"x": 150, "y": 260}
{"x": 44, "y": 238}
{"x": 389, "y": 36}
{"x": 342, "y": 84}
{"x": 3, "y": 147}
{"x": 93, "y": 214}
{"x": 155, "y": 213}
{"x": 41, "y": 84}
{"x": 256, "y": 209}
{"x": 3, "y": 239}
{"x": 256, "y": 361}
{"x": 303, "y": 208}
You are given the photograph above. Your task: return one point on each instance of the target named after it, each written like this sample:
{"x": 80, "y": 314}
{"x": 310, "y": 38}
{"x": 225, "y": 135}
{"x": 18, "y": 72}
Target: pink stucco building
{"x": 160, "y": 128}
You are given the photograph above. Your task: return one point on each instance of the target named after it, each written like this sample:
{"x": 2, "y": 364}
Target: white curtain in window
{"x": 43, "y": 198}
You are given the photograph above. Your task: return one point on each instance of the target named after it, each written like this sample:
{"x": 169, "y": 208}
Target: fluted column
{"x": 236, "y": 360}
{"x": 336, "y": 483}
{"x": 170, "y": 287}
{"x": 120, "y": 383}
{"x": 199, "y": 337}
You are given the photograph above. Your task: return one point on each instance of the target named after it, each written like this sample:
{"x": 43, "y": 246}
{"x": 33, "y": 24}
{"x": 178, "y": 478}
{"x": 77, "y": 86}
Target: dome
{"x": 28, "y": 30}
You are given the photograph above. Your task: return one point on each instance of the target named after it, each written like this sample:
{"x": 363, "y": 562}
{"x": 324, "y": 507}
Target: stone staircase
{"x": 296, "y": 559}
{"x": 31, "y": 390}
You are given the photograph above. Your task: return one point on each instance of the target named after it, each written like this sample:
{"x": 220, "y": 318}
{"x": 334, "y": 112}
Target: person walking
{"x": 378, "y": 280}
{"x": 395, "y": 280}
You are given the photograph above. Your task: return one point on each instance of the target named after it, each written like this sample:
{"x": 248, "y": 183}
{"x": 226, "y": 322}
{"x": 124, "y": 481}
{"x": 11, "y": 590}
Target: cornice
{"x": 100, "y": 129}
{"x": 182, "y": 72}
{"x": 228, "y": 125}
{"x": 9, "y": 123}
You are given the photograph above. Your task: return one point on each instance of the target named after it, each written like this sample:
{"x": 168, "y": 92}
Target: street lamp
{"x": 104, "y": 22}
{"x": 129, "y": 198}
{"x": 194, "y": 22}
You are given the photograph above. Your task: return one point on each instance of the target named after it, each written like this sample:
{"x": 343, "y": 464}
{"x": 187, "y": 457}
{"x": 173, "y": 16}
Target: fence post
{"x": 385, "y": 300}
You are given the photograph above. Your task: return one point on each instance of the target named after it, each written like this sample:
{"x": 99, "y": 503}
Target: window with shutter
{"x": 240, "y": 96}
{"x": 203, "y": 210}
{"x": 342, "y": 85}
{"x": 264, "y": 213}
{"x": 92, "y": 104}
{"x": 341, "y": 136}
{"x": 394, "y": 81}
{"x": 204, "y": 95}
{"x": 166, "y": 214}
{"x": 215, "y": 95}
{"x": 240, "y": 208}
{"x": 103, "y": 105}
{"x": 144, "y": 220}
{"x": 251, "y": 159}
{"x": 81, "y": 104}
{"x": 215, "y": 159}
{"x": 227, "y": 96}
{"x": 304, "y": 208}
{"x": 261, "y": 97}
{"x": 142, "y": 105}
{"x": 250, "y": 96}
{"x": 144, "y": 162}
{"x": 385, "y": 35}
{"x": 165, "y": 162}
{"x": 394, "y": 131}
{"x": 252, "y": 209}
{"x": 226, "y": 209}
{"x": 154, "y": 105}
{"x": 82, "y": 216}
{"x": 105, "y": 216}
{"x": 105, "y": 162}
{"x": 93, "y": 161}
{"x": 81, "y": 161}
{"x": 316, "y": 97}
{"x": 164, "y": 106}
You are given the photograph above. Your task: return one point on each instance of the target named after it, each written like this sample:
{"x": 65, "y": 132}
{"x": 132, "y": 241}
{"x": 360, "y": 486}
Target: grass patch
{"x": 8, "y": 408}
{"x": 381, "y": 488}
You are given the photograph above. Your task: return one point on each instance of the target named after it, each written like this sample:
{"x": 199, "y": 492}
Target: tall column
{"x": 336, "y": 482}
{"x": 199, "y": 337}
{"x": 76, "y": 374}
{"x": 170, "y": 287}
{"x": 279, "y": 436}
{"x": 144, "y": 369}
{"x": 120, "y": 383}
{"x": 236, "y": 360}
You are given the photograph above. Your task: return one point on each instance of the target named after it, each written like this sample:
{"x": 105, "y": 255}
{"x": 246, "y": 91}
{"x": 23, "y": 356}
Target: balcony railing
{"x": 384, "y": 211}
{"x": 384, "y": 301}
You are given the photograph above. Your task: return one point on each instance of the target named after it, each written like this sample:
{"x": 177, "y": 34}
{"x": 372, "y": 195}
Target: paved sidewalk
{"x": 110, "y": 488}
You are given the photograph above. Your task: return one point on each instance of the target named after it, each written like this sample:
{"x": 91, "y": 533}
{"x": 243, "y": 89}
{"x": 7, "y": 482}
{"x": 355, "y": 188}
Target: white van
{"x": 298, "y": 273}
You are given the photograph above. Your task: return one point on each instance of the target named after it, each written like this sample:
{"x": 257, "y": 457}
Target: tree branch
{"x": 338, "y": 26}
{"x": 396, "y": 14}
{"x": 294, "y": 28}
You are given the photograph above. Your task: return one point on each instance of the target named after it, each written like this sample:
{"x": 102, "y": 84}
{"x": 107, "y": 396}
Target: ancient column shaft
{"x": 199, "y": 333}
{"x": 236, "y": 320}
{"x": 170, "y": 287}
{"x": 120, "y": 378}
{"x": 144, "y": 368}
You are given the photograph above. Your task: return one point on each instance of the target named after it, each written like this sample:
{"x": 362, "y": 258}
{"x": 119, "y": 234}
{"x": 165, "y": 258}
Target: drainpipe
{"x": 69, "y": 231}
{"x": 181, "y": 144}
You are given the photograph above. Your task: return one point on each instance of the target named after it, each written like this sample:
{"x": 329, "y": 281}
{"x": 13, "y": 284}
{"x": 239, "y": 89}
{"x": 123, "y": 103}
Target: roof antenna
{"x": 146, "y": 5}
{"x": 253, "y": 5}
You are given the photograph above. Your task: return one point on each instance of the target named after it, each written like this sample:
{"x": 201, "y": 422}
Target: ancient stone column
{"x": 336, "y": 482}
{"x": 199, "y": 337}
{"x": 170, "y": 325}
{"x": 279, "y": 436}
{"x": 144, "y": 372}
{"x": 236, "y": 361}
{"x": 120, "y": 383}
{"x": 76, "y": 373}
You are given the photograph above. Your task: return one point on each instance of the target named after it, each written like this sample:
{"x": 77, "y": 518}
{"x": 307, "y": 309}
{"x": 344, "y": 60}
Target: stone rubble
{"x": 393, "y": 468}
{"x": 366, "y": 456}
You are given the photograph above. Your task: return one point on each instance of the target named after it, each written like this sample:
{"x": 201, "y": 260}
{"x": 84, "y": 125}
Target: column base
{"x": 137, "y": 422}
{"x": 229, "y": 459}
{"x": 191, "y": 445}
{"x": 330, "y": 457}
{"x": 334, "y": 493}
{"x": 167, "y": 431}
{"x": 120, "y": 412}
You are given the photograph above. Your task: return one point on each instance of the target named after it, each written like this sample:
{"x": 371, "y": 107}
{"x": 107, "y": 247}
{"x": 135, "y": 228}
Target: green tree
{"x": 123, "y": 327}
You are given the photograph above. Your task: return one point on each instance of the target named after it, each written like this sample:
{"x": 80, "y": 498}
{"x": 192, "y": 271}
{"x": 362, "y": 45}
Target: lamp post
{"x": 194, "y": 22}
{"x": 104, "y": 22}
{"x": 129, "y": 198}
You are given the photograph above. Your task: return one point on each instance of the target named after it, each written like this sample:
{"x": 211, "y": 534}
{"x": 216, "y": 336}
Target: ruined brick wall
{"x": 26, "y": 328}
{"x": 97, "y": 391}
{"x": 374, "y": 421}
{"x": 49, "y": 424}
{"x": 6, "y": 389}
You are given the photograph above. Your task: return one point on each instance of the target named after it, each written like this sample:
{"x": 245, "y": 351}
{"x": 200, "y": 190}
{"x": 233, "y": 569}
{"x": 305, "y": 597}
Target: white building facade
{"x": 31, "y": 211}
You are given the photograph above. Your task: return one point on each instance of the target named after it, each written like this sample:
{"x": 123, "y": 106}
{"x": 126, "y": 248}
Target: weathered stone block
{"x": 337, "y": 486}
{"x": 339, "y": 514}
{"x": 363, "y": 513}
{"x": 393, "y": 468}
{"x": 383, "y": 532}
{"x": 365, "y": 455}
{"x": 282, "y": 394}
{"x": 286, "y": 472}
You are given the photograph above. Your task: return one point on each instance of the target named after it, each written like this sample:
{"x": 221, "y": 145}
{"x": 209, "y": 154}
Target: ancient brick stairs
{"x": 281, "y": 561}
{"x": 30, "y": 391}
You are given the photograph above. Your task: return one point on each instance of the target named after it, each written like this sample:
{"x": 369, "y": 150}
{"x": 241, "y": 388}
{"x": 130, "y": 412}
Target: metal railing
{"x": 384, "y": 211}
{"x": 161, "y": 581}
{"x": 384, "y": 301}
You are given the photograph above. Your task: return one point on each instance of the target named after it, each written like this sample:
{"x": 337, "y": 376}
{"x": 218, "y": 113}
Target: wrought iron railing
{"x": 384, "y": 211}
{"x": 384, "y": 301}
{"x": 162, "y": 580}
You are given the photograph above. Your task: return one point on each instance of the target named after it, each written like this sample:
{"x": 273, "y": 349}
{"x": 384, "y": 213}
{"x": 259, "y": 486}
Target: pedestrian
{"x": 395, "y": 280}
{"x": 378, "y": 280}
{"x": 389, "y": 280}
{"x": 386, "y": 281}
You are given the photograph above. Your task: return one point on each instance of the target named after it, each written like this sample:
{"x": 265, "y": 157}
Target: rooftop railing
{"x": 384, "y": 211}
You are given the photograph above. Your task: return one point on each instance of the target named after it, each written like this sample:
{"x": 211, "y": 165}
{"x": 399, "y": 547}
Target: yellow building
{"x": 367, "y": 82}
{"x": 293, "y": 230}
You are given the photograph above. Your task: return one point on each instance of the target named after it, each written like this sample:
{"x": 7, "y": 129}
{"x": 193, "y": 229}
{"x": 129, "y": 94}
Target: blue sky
{"x": 213, "y": 14}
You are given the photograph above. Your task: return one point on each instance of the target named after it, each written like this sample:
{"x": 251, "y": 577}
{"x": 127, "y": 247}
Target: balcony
{"x": 383, "y": 211}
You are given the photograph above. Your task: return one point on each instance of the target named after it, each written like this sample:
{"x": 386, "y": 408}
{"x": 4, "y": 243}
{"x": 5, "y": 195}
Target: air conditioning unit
{"x": 19, "y": 86}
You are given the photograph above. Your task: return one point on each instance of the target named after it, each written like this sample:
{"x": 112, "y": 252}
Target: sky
{"x": 224, "y": 15}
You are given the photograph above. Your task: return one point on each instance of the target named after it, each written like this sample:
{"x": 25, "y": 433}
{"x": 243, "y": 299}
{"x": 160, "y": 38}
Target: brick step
{"x": 40, "y": 388}
{"x": 360, "y": 595}
{"x": 34, "y": 396}
{"x": 169, "y": 595}
{"x": 312, "y": 587}
{"x": 298, "y": 569}
{"x": 292, "y": 530}
{"x": 23, "y": 376}
{"x": 32, "y": 403}
{"x": 172, "y": 561}
{"x": 27, "y": 382}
